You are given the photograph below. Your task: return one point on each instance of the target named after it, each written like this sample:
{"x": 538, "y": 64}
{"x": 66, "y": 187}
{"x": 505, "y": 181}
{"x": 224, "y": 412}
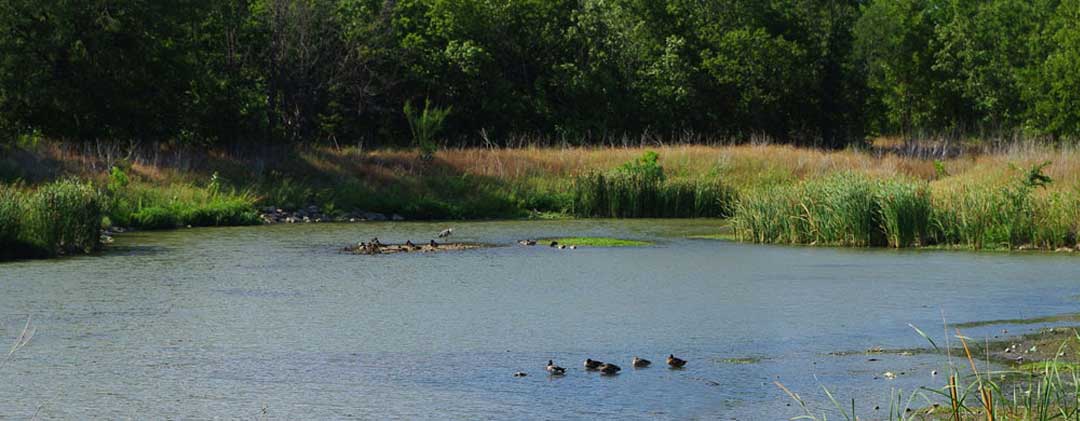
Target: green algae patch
{"x": 596, "y": 242}
{"x": 1069, "y": 317}
{"x": 724, "y": 236}
{"x": 741, "y": 360}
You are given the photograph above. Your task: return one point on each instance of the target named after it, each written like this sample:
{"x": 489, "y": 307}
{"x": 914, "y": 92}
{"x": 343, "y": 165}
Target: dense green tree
{"x": 821, "y": 72}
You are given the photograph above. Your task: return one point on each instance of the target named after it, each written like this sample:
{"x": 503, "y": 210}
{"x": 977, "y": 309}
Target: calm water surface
{"x": 241, "y": 322}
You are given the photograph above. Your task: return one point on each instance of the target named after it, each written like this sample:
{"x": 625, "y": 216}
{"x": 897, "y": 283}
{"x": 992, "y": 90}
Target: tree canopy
{"x": 821, "y": 72}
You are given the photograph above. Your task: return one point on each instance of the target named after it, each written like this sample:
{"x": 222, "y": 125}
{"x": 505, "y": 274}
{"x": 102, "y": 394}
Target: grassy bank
{"x": 891, "y": 194}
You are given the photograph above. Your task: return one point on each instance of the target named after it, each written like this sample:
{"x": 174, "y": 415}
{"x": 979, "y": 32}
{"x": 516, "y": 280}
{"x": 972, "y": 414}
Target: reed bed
{"x": 57, "y": 218}
{"x": 1004, "y": 210}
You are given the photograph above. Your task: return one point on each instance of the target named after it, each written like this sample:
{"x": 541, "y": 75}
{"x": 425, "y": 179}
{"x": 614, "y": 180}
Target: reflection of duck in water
{"x": 554, "y": 369}
{"x": 609, "y": 369}
{"x": 640, "y": 362}
{"x": 675, "y": 362}
{"x": 591, "y": 364}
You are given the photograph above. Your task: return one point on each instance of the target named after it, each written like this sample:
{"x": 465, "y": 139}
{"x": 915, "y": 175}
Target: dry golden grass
{"x": 742, "y": 166}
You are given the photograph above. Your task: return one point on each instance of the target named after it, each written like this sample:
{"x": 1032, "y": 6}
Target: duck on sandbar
{"x": 591, "y": 364}
{"x": 609, "y": 369}
{"x": 640, "y": 363}
{"x": 554, "y": 244}
{"x": 675, "y": 362}
{"x": 553, "y": 369}
{"x": 433, "y": 244}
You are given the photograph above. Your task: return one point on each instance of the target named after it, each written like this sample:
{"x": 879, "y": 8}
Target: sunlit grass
{"x": 596, "y": 242}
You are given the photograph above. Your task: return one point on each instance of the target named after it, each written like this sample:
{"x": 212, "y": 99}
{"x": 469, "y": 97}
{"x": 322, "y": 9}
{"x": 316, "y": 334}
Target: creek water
{"x": 276, "y": 322}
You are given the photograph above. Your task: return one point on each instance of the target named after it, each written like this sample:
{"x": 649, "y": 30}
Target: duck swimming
{"x": 554, "y": 369}
{"x": 640, "y": 363}
{"x": 609, "y": 369}
{"x": 591, "y": 364}
{"x": 675, "y": 362}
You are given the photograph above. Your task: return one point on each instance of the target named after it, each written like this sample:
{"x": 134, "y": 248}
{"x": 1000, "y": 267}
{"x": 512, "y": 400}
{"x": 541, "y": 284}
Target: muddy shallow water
{"x": 237, "y": 322}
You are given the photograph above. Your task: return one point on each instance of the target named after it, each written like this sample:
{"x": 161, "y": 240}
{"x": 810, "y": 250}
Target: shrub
{"x": 425, "y": 125}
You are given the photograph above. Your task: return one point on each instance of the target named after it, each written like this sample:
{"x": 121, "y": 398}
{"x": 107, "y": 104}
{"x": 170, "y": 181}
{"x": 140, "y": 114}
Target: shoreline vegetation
{"x": 1014, "y": 197}
{"x": 1028, "y": 376}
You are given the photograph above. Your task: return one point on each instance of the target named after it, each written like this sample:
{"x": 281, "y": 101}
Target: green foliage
{"x": 849, "y": 210}
{"x": 586, "y": 71}
{"x": 646, "y": 166}
{"x": 639, "y": 188}
{"x": 959, "y": 66}
{"x": 905, "y": 209}
{"x": 118, "y": 180}
{"x": 596, "y": 242}
{"x": 155, "y": 217}
{"x": 843, "y": 209}
{"x": 11, "y": 214}
{"x": 425, "y": 125}
{"x": 57, "y": 218}
{"x": 1014, "y": 215}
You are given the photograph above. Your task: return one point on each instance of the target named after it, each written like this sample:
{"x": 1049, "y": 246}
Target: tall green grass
{"x": 847, "y": 209}
{"x": 640, "y": 189}
{"x": 843, "y": 209}
{"x": 163, "y": 207}
{"x": 988, "y": 216}
{"x": 905, "y": 212}
{"x": 61, "y": 217}
{"x": 145, "y": 206}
